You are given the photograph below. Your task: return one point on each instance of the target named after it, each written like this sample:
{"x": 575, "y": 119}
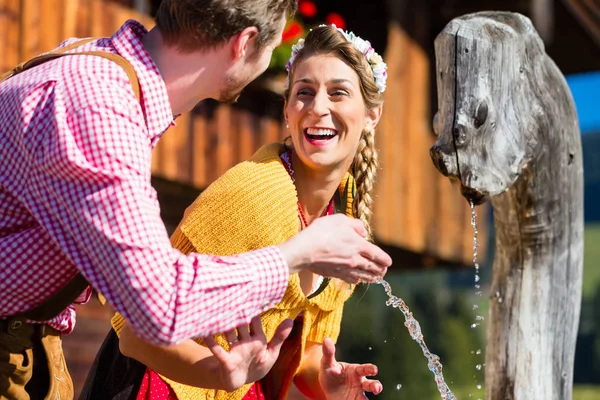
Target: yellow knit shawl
{"x": 254, "y": 205}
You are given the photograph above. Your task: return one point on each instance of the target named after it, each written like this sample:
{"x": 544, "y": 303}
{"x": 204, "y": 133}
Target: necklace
{"x": 287, "y": 163}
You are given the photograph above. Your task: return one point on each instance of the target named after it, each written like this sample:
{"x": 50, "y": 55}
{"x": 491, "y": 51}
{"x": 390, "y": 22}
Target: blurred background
{"x": 420, "y": 218}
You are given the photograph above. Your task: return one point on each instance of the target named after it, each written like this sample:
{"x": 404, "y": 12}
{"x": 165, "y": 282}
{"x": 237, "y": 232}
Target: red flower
{"x": 293, "y": 30}
{"x": 336, "y": 19}
{"x": 307, "y": 8}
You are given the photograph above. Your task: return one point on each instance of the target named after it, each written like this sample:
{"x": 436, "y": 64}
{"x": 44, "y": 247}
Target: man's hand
{"x": 250, "y": 357}
{"x": 335, "y": 246}
{"x": 340, "y": 380}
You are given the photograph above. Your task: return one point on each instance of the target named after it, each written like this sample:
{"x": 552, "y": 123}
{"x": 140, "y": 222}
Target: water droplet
{"x": 385, "y": 341}
{"x": 475, "y": 306}
{"x": 479, "y": 387}
{"x": 479, "y": 351}
{"x": 398, "y": 386}
{"x": 370, "y": 348}
{"x": 473, "y": 326}
{"x": 477, "y": 278}
{"x": 478, "y": 367}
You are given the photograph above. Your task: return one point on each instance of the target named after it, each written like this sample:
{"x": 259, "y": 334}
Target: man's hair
{"x": 192, "y": 25}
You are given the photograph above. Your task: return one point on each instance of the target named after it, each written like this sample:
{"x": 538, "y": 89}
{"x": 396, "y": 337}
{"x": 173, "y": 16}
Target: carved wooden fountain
{"x": 508, "y": 131}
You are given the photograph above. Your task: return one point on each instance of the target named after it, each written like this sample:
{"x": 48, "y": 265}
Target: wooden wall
{"x": 417, "y": 210}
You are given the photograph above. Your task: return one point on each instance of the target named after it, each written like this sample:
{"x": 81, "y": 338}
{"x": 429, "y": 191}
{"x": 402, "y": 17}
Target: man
{"x": 75, "y": 194}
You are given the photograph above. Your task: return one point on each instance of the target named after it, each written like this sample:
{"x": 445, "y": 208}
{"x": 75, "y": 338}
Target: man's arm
{"x": 90, "y": 189}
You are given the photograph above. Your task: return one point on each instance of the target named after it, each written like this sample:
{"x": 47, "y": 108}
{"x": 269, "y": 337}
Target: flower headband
{"x": 375, "y": 61}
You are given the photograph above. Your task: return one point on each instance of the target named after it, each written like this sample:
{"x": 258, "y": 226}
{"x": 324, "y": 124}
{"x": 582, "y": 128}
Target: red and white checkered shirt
{"x": 75, "y": 194}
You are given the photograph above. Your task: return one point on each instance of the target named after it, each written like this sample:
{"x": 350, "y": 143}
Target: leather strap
{"x": 117, "y": 59}
{"x": 60, "y": 300}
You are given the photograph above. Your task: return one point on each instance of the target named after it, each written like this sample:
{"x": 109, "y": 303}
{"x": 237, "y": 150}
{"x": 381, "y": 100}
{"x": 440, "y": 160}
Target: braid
{"x": 364, "y": 169}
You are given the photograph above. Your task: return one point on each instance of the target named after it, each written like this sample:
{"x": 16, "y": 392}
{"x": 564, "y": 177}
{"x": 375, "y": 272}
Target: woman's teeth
{"x": 320, "y": 134}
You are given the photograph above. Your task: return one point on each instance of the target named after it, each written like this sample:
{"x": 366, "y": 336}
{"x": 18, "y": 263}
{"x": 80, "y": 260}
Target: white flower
{"x": 374, "y": 58}
{"x": 362, "y": 45}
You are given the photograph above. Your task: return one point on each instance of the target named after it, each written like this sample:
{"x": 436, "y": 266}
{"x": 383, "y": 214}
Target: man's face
{"x": 250, "y": 67}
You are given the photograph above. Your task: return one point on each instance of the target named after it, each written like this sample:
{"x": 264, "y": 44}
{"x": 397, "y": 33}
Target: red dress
{"x": 154, "y": 388}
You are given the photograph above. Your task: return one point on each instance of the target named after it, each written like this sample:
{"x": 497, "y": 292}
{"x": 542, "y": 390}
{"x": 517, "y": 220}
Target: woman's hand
{"x": 340, "y": 380}
{"x": 250, "y": 357}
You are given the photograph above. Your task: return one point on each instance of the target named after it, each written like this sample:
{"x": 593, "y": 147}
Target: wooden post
{"x": 508, "y": 130}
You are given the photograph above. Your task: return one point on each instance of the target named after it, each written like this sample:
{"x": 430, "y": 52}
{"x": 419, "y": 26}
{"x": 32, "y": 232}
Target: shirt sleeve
{"x": 90, "y": 189}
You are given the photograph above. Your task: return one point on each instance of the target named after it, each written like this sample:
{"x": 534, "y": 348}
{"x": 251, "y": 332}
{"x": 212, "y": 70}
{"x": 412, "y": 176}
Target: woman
{"x": 333, "y": 101}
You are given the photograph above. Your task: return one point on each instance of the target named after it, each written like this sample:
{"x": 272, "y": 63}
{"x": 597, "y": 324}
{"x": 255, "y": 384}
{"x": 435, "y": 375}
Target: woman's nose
{"x": 320, "y": 105}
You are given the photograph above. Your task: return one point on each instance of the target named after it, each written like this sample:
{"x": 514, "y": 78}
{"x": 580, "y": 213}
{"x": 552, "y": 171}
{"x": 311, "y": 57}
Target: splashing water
{"x": 478, "y": 318}
{"x": 414, "y": 329}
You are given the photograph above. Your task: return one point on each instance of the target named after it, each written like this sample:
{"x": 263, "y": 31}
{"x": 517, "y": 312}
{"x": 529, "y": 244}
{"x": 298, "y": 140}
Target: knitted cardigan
{"x": 254, "y": 205}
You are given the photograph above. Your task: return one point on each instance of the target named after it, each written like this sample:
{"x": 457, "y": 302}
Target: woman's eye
{"x": 303, "y": 92}
{"x": 339, "y": 93}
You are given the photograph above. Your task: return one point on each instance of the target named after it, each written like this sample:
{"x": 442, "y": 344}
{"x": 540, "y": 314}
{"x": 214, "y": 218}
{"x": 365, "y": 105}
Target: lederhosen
{"x": 32, "y": 363}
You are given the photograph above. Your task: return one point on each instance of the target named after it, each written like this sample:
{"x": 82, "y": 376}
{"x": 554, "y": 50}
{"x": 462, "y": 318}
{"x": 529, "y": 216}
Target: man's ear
{"x": 243, "y": 43}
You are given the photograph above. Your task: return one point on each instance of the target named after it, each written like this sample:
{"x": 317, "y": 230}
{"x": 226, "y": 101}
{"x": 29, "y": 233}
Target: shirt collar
{"x": 155, "y": 103}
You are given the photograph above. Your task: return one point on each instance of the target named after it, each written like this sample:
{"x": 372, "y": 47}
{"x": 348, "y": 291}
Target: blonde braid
{"x": 364, "y": 169}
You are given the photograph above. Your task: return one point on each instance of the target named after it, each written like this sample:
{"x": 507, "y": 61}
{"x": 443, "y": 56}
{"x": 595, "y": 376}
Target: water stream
{"x": 414, "y": 329}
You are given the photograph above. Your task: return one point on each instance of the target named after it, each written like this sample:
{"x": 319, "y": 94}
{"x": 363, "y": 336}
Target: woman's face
{"x": 326, "y": 112}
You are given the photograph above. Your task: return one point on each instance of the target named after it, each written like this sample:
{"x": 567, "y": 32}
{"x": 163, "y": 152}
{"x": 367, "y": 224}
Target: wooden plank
{"x": 120, "y": 14}
{"x": 5, "y": 18}
{"x": 183, "y": 172}
{"x": 247, "y": 134}
{"x": 212, "y": 141}
{"x": 157, "y": 160}
{"x": 174, "y": 157}
{"x": 223, "y": 151}
{"x": 235, "y": 135}
{"x": 70, "y": 18}
{"x": 389, "y": 192}
{"x": 199, "y": 178}
{"x": 97, "y": 19}
{"x": 29, "y": 30}
{"x": 83, "y": 20}
{"x": 13, "y": 11}
{"x": 416, "y": 150}
{"x": 269, "y": 131}
{"x": 50, "y": 18}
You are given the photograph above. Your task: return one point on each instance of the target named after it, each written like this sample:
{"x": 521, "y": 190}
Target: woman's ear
{"x": 372, "y": 118}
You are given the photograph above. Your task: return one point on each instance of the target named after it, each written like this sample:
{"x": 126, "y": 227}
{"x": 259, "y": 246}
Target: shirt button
{"x": 16, "y": 325}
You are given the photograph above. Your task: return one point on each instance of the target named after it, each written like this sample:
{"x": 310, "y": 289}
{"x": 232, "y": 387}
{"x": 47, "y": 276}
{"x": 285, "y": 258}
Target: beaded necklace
{"x": 287, "y": 163}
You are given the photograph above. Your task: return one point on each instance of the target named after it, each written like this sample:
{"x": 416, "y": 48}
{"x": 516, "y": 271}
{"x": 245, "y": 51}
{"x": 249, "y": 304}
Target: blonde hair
{"x": 328, "y": 40}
